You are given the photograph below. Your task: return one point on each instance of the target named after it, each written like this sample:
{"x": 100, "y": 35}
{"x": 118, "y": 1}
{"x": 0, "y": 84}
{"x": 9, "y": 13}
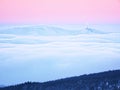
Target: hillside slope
{"x": 109, "y": 80}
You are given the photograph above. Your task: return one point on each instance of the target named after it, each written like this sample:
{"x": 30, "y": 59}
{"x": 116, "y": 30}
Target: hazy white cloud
{"x": 24, "y": 47}
{"x": 71, "y": 54}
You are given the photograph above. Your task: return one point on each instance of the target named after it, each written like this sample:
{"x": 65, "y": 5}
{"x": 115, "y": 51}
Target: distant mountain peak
{"x": 94, "y": 31}
{"x": 47, "y": 30}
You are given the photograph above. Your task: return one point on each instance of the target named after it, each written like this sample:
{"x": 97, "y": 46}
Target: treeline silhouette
{"x": 109, "y": 80}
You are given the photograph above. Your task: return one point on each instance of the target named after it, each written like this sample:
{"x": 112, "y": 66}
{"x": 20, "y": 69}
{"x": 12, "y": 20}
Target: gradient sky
{"x": 50, "y": 51}
{"x": 59, "y": 11}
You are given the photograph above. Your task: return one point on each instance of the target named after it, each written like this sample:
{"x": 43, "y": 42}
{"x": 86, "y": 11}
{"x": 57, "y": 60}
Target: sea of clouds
{"x": 48, "y": 52}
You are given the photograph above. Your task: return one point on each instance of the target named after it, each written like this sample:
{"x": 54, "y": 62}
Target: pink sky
{"x": 60, "y": 11}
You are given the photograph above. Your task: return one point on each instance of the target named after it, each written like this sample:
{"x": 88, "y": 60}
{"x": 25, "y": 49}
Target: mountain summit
{"x": 46, "y": 30}
{"x": 109, "y": 80}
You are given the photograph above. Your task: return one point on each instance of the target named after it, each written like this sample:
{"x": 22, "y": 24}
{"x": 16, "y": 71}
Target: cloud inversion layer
{"x": 36, "y": 51}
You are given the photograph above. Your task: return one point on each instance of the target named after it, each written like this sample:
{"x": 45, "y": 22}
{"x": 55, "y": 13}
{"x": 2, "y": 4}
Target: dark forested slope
{"x": 109, "y": 80}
